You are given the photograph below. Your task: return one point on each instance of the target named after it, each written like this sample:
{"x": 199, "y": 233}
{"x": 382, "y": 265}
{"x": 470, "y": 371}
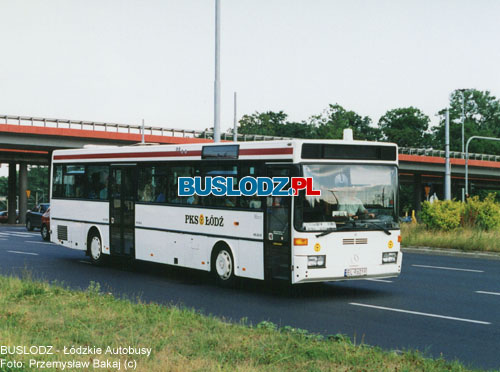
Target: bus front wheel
{"x": 223, "y": 266}
{"x": 95, "y": 248}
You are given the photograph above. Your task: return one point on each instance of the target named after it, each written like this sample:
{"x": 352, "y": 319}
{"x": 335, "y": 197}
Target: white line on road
{"x": 419, "y": 313}
{"x": 34, "y": 242}
{"x": 86, "y": 262}
{"x": 490, "y": 293}
{"x": 18, "y": 252}
{"x": 449, "y": 268}
{"x": 379, "y": 280}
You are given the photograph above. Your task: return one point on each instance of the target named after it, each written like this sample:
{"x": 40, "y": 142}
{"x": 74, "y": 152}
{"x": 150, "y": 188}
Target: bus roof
{"x": 295, "y": 150}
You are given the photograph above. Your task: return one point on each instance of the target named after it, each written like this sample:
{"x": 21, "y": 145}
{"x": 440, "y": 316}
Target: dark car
{"x": 34, "y": 216}
{"x": 45, "y": 229}
{"x": 4, "y": 217}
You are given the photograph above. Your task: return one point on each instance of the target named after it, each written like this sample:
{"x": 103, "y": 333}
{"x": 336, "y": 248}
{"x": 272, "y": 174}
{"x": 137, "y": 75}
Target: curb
{"x": 452, "y": 252}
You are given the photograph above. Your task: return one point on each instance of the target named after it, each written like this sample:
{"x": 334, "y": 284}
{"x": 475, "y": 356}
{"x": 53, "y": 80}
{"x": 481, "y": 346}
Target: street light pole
{"x": 463, "y": 133}
{"x": 447, "y": 173}
{"x": 467, "y": 158}
{"x": 463, "y": 120}
{"x": 217, "y": 74}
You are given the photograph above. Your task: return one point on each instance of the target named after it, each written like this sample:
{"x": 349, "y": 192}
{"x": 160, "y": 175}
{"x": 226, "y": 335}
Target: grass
{"x": 37, "y": 313}
{"x": 465, "y": 239}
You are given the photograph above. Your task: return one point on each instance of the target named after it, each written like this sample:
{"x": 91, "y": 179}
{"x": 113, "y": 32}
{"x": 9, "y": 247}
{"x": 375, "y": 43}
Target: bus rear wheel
{"x": 223, "y": 266}
{"x": 95, "y": 248}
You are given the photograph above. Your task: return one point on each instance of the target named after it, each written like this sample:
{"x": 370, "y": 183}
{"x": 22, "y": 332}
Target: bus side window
{"x": 172, "y": 180}
{"x": 57, "y": 187}
{"x": 97, "y": 182}
{"x": 251, "y": 202}
{"x": 227, "y": 171}
{"x": 144, "y": 189}
{"x": 74, "y": 181}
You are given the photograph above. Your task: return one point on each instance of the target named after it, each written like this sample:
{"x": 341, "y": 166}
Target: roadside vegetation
{"x": 35, "y": 313}
{"x": 470, "y": 226}
{"x": 465, "y": 239}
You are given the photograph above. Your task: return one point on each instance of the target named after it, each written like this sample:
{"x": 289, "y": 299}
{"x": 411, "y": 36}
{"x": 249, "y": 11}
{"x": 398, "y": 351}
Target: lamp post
{"x": 463, "y": 132}
{"x": 217, "y": 74}
{"x": 467, "y": 158}
{"x": 463, "y": 120}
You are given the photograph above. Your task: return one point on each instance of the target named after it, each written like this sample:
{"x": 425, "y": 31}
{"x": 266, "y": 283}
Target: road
{"x": 441, "y": 305}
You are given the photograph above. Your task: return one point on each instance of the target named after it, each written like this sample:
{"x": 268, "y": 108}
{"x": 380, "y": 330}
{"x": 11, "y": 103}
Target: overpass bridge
{"x": 28, "y": 140}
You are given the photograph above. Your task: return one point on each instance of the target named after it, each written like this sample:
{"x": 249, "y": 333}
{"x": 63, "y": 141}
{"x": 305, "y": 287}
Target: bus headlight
{"x": 316, "y": 262}
{"x": 389, "y": 257}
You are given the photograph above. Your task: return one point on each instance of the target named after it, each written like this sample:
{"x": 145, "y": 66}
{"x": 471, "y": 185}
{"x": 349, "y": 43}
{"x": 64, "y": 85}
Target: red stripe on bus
{"x": 275, "y": 151}
{"x": 163, "y": 154}
{"x": 155, "y": 154}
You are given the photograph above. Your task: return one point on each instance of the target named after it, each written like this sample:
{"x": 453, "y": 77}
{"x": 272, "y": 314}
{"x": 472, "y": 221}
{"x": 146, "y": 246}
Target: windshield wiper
{"x": 329, "y": 231}
{"x": 384, "y": 229}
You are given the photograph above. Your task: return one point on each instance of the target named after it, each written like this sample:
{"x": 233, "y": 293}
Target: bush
{"x": 481, "y": 214}
{"x": 449, "y": 215}
{"x": 442, "y": 215}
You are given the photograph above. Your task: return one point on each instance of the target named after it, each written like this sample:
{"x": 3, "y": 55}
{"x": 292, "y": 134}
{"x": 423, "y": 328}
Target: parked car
{"x": 45, "y": 229}
{"x": 34, "y": 216}
{"x": 4, "y": 216}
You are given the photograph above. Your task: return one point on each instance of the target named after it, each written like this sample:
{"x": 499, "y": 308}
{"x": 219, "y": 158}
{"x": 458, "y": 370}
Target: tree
{"x": 406, "y": 126}
{"x": 332, "y": 122}
{"x": 482, "y": 118}
{"x": 273, "y": 124}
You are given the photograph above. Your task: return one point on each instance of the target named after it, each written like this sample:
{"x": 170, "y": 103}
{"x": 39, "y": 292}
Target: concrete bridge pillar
{"x": 11, "y": 194}
{"x": 23, "y": 186}
{"x": 417, "y": 192}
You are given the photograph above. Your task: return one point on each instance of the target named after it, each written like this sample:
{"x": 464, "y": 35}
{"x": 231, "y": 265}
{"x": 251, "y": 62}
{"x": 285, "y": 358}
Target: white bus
{"x": 123, "y": 201}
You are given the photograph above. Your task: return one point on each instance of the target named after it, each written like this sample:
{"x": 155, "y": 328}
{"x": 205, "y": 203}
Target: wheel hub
{"x": 95, "y": 248}
{"x": 224, "y": 265}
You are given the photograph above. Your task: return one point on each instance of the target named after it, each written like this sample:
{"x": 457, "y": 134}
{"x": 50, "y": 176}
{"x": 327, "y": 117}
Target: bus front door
{"x": 122, "y": 210}
{"x": 277, "y": 245}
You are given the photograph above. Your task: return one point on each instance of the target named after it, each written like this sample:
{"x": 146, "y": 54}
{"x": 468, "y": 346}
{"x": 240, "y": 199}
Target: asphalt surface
{"x": 440, "y": 305}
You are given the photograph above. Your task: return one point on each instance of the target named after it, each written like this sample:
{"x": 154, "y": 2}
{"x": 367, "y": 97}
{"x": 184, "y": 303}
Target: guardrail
{"x": 127, "y": 128}
{"x": 208, "y": 134}
{"x": 441, "y": 154}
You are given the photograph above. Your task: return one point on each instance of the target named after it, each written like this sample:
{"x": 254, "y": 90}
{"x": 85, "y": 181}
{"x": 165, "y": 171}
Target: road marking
{"x": 379, "y": 280}
{"x": 35, "y": 242}
{"x": 18, "y": 252}
{"x": 86, "y": 262}
{"x": 449, "y": 268}
{"x": 490, "y": 293}
{"x": 419, "y": 313}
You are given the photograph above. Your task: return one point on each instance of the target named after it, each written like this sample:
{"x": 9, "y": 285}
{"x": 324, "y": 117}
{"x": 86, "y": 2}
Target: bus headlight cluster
{"x": 316, "y": 262}
{"x": 389, "y": 257}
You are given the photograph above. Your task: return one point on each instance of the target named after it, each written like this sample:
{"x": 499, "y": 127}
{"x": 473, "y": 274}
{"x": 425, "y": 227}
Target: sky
{"x": 122, "y": 61}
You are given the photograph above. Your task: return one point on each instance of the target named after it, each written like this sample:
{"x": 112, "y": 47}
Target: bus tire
{"x": 94, "y": 245}
{"x": 223, "y": 265}
{"x": 44, "y": 231}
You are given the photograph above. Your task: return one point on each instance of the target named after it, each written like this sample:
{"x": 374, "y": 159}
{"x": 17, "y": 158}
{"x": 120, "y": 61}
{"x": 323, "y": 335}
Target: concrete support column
{"x": 11, "y": 194}
{"x": 23, "y": 186}
{"x": 49, "y": 173}
{"x": 417, "y": 191}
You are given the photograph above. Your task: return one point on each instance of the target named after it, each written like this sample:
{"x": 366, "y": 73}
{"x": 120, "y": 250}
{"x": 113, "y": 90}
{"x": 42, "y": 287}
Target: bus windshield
{"x": 353, "y": 197}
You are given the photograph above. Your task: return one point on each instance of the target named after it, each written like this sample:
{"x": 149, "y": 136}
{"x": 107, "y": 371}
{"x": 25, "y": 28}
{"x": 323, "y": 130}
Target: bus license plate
{"x": 357, "y": 271}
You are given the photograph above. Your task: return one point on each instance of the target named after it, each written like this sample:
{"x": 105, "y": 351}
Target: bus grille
{"x": 62, "y": 232}
{"x": 352, "y": 241}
